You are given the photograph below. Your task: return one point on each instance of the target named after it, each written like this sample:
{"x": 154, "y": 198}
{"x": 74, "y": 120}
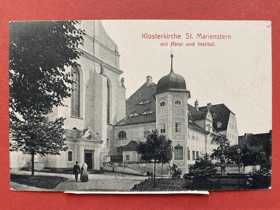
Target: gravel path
{"x": 97, "y": 182}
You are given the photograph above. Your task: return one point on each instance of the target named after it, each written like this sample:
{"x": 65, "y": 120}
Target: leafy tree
{"x": 38, "y": 135}
{"x": 158, "y": 148}
{"x": 253, "y": 156}
{"x": 249, "y": 155}
{"x": 222, "y": 149}
{"x": 40, "y": 52}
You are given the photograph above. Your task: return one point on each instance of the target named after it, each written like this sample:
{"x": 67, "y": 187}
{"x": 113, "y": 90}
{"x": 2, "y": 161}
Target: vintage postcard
{"x": 140, "y": 106}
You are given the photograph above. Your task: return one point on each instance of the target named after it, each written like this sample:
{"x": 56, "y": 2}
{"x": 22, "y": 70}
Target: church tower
{"x": 172, "y": 114}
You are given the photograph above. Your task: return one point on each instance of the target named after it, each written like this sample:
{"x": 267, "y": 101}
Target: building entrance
{"x": 89, "y": 158}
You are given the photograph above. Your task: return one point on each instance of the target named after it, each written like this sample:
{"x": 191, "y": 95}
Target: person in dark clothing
{"x": 76, "y": 170}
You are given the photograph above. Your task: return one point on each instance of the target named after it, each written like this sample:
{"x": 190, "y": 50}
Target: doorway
{"x": 89, "y": 158}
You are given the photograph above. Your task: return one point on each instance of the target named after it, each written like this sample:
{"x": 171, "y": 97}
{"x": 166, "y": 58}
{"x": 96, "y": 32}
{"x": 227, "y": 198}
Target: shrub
{"x": 175, "y": 172}
{"x": 202, "y": 167}
{"x": 260, "y": 180}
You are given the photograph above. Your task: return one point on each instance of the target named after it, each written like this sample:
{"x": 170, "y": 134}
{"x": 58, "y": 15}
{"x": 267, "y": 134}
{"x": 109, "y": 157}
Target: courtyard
{"x": 97, "y": 182}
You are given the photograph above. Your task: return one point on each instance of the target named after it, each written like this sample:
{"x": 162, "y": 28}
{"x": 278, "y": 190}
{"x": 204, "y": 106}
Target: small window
{"x": 133, "y": 114}
{"x": 189, "y": 154}
{"x": 179, "y": 153}
{"x": 197, "y": 155}
{"x": 162, "y": 127}
{"x": 162, "y": 104}
{"x": 127, "y": 157}
{"x": 178, "y": 102}
{"x": 193, "y": 155}
{"x": 122, "y": 135}
{"x": 147, "y": 112}
{"x": 178, "y": 127}
{"x": 144, "y": 102}
{"x": 70, "y": 156}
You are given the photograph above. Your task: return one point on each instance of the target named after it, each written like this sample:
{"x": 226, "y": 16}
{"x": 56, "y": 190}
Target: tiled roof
{"x": 193, "y": 110}
{"x": 142, "y": 100}
{"x": 196, "y": 127}
{"x": 222, "y": 114}
{"x": 131, "y": 146}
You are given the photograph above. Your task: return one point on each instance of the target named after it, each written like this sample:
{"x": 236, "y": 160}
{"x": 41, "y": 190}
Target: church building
{"x": 102, "y": 125}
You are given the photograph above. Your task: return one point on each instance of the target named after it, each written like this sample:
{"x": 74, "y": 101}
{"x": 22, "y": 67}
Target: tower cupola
{"x": 171, "y": 82}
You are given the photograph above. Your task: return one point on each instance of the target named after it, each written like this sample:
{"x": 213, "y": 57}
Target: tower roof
{"x": 171, "y": 82}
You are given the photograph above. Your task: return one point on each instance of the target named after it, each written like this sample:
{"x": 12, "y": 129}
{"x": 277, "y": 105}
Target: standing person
{"x": 84, "y": 173}
{"x": 76, "y": 170}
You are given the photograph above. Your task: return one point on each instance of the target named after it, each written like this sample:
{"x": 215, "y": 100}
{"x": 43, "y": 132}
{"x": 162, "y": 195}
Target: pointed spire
{"x": 171, "y": 56}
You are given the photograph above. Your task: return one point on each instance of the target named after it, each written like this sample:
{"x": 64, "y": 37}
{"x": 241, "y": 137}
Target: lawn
{"x": 177, "y": 185}
{"x": 46, "y": 182}
{"x": 161, "y": 185}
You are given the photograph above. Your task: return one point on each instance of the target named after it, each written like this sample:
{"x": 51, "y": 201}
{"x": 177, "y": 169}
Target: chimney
{"x": 196, "y": 105}
{"x": 209, "y": 106}
{"x": 149, "y": 80}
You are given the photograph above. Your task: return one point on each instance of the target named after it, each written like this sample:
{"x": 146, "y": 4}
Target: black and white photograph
{"x": 140, "y": 106}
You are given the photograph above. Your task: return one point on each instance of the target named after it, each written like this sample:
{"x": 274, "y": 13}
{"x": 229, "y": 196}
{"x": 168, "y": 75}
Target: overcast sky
{"x": 236, "y": 71}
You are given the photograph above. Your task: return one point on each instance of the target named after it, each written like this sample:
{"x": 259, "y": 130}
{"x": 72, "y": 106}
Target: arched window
{"x": 122, "y": 135}
{"x": 70, "y": 156}
{"x": 75, "y": 100}
{"x": 108, "y": 102}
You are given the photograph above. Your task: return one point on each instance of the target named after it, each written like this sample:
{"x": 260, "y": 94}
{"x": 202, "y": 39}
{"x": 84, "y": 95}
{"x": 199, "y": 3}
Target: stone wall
{"x": 136, "y": 168}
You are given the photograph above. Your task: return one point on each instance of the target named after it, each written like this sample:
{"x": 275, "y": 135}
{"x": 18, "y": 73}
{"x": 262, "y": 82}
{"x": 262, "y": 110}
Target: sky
{"x": 236, "y": 72}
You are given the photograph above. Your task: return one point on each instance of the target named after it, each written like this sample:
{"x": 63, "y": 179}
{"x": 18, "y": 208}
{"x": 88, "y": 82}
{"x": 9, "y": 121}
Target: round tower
{"x": 172, "y": 114}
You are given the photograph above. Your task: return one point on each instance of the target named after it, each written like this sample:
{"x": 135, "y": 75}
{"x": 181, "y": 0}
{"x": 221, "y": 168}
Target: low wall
{"x": 235, "y": 168}
{"x": 136, "y": 168}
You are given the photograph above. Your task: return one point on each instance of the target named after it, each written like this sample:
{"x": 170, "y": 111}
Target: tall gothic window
{"x": 75, "y": 103}
{"x": 108, "y": 102}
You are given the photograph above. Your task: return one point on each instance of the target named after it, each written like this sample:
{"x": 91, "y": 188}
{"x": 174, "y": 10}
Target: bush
{"x": 175, "y": 172}
{"x": 260, "y": 180}
{"x": 202, "y": 167}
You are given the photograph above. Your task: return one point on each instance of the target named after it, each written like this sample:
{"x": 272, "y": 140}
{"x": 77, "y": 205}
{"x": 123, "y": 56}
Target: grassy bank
{"x": 45, "y": 182}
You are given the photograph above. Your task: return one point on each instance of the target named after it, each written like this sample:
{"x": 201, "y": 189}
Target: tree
{"x": 40, "y": 52}
{"x": 157, "y": 148}
{"x": 38, "y": 135}
{"x": 249, "y": 155}
{"x": 253, "y": 156}
{"x": 222, "y": 149}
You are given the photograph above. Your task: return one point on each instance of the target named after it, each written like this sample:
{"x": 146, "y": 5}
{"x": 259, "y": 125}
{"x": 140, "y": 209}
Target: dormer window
{"x": 147, "y": 112}
{"x": 144, "y": 102}
{"x": 133, "y": 114}
{"x": 178, "y": 102}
